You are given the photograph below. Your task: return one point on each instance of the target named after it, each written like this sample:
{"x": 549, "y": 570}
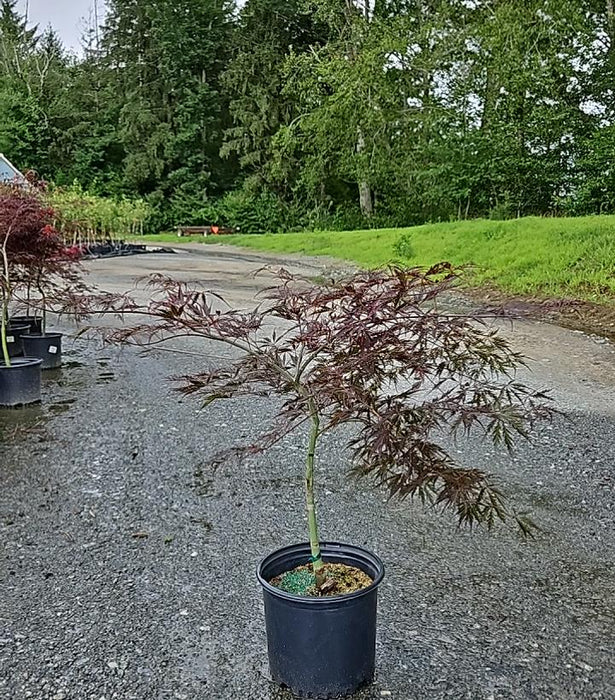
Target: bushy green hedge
{"x": 262, "y": 212}
{"x": 81, "y": 215}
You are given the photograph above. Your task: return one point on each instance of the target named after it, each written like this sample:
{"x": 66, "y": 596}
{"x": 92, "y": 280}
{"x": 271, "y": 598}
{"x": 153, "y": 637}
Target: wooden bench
{"x": 204, "y": 230}
{"x": 193, "y": 230}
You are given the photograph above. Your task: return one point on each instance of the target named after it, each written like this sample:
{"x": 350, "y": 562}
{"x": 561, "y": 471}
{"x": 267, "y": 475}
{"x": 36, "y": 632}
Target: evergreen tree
{"x": 34, "y": 110}
{"x": 20, "y": 129}
{"x": 165, "y": 58}
{"x": 90, "y": 147}
{"x": 268, "y": 32}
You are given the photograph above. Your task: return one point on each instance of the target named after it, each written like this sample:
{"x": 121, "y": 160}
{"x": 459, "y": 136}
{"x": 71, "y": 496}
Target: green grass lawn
{"x": 564, "y": 257}
{"x": 366, "y": 248}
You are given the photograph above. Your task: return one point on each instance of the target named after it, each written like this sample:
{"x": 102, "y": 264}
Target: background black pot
{"x": 21, "y": 382}
{"x": 14, "y": 332}
{"x": 321, "y": 647}
{"x": 47, "y": 346}
{"x": 35, "y": 322}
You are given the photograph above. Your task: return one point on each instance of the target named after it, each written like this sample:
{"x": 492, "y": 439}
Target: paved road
{"x": 128, "y": 552}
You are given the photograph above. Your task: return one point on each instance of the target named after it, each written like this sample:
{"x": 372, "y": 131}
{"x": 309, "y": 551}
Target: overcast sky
{"x": 68, "y": 17}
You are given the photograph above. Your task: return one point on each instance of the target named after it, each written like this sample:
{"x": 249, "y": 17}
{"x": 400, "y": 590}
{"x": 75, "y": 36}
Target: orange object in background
{"x": 215, "y": 230}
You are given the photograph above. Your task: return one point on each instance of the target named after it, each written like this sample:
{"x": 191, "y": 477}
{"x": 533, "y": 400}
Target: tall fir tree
{"x": 165, "y": 58}
{"x": 267, "y": 32}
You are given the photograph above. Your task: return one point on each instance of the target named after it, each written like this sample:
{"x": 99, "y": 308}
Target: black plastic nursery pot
{"x": 47, "y": 346}
{"x": 321, "y": 647}
{"x": 34, "y": 322}
{"x": 20, "y": 383}
{"x": 14, "y": 332}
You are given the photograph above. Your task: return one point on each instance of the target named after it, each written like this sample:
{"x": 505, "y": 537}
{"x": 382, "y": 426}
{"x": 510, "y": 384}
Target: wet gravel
{"x": 128, "y": 552}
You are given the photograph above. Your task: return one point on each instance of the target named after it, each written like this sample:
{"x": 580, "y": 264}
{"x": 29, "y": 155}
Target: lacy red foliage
{"x": 377, "y": 351}
{"x": 35, "y": 258}
{"x": 26, "y": 228}
{"x": 25, "y": 222}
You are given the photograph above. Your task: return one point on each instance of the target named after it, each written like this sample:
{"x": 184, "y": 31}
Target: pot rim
{"x": 310, "y": 600}
{"x": 21, "y": 362}
{"x": 50, "y": 334}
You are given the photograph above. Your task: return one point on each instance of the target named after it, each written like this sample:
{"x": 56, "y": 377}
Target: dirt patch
{"x": 576, "y": 314}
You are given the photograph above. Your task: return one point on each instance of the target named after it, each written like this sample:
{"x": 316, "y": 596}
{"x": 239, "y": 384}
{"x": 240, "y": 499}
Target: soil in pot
{"x": 47, "y": 346}
{"x": 14, "y": 332}
{"x": 337, "y": 579}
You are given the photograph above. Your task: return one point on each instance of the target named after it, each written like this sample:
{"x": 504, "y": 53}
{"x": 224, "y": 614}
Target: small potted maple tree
{"x": 23, "y": 218}
{"x": 35, "y": 265}
{"x": 378, "y": 352}
{"x": 48, "y": 273}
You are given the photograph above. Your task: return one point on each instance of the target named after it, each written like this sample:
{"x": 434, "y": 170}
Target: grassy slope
{"x": 367, "y": 248}
{"x": 567, "y": 257}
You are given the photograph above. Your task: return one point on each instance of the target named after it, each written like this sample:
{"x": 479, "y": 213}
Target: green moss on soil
{"x": 339, "y": 580}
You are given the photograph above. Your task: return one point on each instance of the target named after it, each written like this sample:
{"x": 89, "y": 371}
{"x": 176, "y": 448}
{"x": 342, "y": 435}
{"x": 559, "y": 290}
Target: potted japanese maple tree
{"x": 44, "y": 272}
{"x": 23, "y": 218}
{"x": 379, "y": 352}
{"x": 48, "y": 273}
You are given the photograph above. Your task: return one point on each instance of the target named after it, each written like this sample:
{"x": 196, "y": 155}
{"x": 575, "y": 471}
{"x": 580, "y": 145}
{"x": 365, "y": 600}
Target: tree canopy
{"x": 308, "y": 113}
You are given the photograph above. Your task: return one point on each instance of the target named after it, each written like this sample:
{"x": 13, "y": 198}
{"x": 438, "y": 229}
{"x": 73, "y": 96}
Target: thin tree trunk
{"x": 365, "y": 191}
{"x": 365, "y": 199}
{"x": 610, "y": 22}
{"x": 316, "y": 560}
{"x": 487, "y": 101}
{"x": 43, "y": 300}
{"x": 5, "y": 347}
{"x": 6, "y": 295}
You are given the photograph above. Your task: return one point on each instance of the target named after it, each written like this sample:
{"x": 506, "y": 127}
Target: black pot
{"x": 47, "y": 346}
{"x": 14, "y": 332}
{"x": 35, "y": 323}
{"x": 321, "y": 647}
{"x": 21, "y": 382}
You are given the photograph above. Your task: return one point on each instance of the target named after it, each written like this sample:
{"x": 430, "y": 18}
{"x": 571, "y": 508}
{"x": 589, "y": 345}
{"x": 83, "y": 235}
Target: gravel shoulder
{"x": 128, "y": 550}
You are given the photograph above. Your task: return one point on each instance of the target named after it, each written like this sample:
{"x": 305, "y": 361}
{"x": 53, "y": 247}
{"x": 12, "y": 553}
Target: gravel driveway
{"x": 128, "y": 552}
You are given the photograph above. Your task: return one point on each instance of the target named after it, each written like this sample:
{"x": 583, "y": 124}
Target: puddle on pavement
{"x": 27, "y": 420}
{"x": 21, "y": 420}
{"x": 30, "y": 420}
{"x": 65, "y": 378}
